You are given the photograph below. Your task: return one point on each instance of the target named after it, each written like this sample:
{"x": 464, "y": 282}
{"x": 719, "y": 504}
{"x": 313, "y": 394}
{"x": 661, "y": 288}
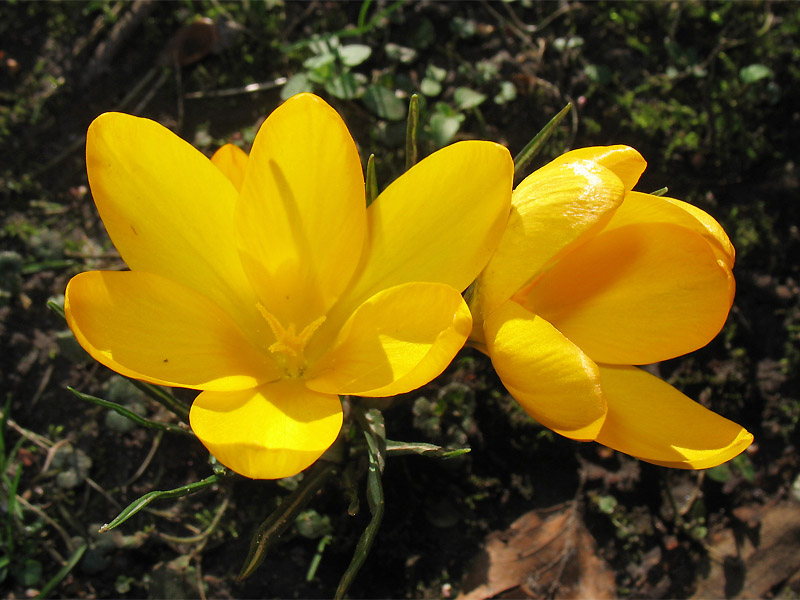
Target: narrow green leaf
{"x": 63, "y": 571}
{"x": 11, "y": 509}
{"x": 3, "y": 423}
{"x": 349, "y": 487}
{"x": 533, "y": 147}
{"x": 138, "y": 504}
{"x": 362, "y": 14}
{"x": 164, "y": 398}
{"x": 660, "y": 192}
{"x": 56, "y": 308}
{"x": 312, "y": 567}
{"x": 411, "y": 131}
{"x": 130, "y": 414}
{"x": 46, "y": 265}
{"x": 401, "y": 448}
{"x": 283, "y": 516}
{"x": 376, "y": 507}
{"x": 371, "y": 421}
{"x": 372, "y": 180}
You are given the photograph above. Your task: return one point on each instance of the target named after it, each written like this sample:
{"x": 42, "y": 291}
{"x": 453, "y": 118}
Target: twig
{"x": 203, "y": 535}
{"x": 247, "y": 89}
{"x": 51, "y": 453}
{"x": 43, "y": 515}
{"x": 93, "y": 484}
{"x": 42, "y": 384}
{"x": 147, "y": 459}
{"x": 37, "y": 439}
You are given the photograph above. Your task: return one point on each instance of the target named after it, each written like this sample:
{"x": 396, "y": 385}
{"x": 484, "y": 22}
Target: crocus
{"x": 265, "y": 281}
{"x": 591, "y": 278}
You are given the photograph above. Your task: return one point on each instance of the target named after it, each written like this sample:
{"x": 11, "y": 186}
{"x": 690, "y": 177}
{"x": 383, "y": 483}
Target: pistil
{"x": 288, "y": 348}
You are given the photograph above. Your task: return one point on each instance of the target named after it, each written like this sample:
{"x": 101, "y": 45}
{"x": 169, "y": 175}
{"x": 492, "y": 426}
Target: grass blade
{"x": 533, "y": 147}
{"x": 56, "y": 308}
{"x": 164, "y": 398}
{"x": 63, "y": 571}
{"x": 130, "y": 414}
{"x": 411, "y": 131}
{"x": 401, "y": 448}
{"x": 372, "y": 180}
{"x": 138, "y": 504}
{"x": 283, "y": 516}
{"x": 376, "y": 507}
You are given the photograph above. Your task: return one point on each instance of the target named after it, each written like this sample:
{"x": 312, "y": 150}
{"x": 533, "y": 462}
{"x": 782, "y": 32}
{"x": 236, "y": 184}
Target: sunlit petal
{"x": 440, "y": 221}
{"x": 167, "y": 209}
{"x": 549, "y": 376}
{"x": 714, "y": 231}
{"x": 651, "y": 420}
{"x": 148, "y": 327}
{"x": 646, "y": 208}
{"x": 625, "y": 162}
{"x": 302, "y": 212}
{"x": 396, "y": 341}
{"x": 232, "y": 161}
{"x": 552, "y": 209}
{"x": 636, "y": 294}
{"x": 270, "y": 432}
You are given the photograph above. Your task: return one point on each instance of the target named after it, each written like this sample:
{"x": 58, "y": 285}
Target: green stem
{"x": 283, "y": 516}
{"x": 376, "y": 507}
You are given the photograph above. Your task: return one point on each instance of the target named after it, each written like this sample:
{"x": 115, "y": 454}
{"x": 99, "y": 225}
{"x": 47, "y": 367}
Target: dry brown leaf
{"x": 543, "y": 554}
{"x": 751, "y": 565}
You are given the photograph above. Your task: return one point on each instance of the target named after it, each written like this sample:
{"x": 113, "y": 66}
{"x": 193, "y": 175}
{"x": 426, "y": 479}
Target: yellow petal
{"x": 646, "y": 208}
{"x": 438, "y": 222}
{"x": 636, "y": 294}
{"x": 270, "y": 432}
{"x": 553, "y": 208}
{"x": 549, "y": 376}
{"x": 713, "y": 231}
{"x": 625, "y": 162}
{"x": 651, "y": 420}
{"x": 232, "y": 161}
{"x": 302, "y": 213}
{"x": 396, "y": 341}
{"x": 168, "y": 210}
{"x": 148, "y": 327}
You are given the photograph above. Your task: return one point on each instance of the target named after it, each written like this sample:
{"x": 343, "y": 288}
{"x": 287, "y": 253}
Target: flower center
{"x": 288, "y": 348}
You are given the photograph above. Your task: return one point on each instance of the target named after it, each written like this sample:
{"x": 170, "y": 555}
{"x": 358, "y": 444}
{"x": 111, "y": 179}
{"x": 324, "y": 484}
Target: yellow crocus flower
{"x": 267, "y": 283}
{"x": 590, "y": 278}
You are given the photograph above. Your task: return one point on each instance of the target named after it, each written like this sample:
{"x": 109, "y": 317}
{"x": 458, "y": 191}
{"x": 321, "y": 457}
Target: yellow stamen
{"x": 289, "y": 345}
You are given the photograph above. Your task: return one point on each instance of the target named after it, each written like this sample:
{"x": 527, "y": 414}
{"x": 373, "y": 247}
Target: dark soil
{"x": 665, "y": 78}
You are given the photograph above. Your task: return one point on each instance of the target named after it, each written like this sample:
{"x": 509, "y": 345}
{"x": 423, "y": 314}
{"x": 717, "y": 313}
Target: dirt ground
{"x": 706, "y": 91}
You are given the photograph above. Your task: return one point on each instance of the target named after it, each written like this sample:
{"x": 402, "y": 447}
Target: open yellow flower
{"x": 591, "y": 278}
{"x": 265, "y": 282}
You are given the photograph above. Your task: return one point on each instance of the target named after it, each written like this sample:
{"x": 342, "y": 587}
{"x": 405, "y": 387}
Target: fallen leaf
{"x": 752, "y": 563}
{"x": 542, "y": 554}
